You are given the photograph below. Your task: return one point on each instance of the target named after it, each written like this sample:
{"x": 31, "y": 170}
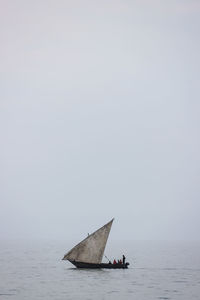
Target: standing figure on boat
{"x": 124, "y": 258}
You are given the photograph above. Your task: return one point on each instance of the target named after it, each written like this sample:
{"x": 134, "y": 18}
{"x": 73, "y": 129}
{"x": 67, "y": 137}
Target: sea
{"x": 31, "y": 270}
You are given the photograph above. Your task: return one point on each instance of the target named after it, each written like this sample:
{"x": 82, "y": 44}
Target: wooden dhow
{"x": 89, "y": 252}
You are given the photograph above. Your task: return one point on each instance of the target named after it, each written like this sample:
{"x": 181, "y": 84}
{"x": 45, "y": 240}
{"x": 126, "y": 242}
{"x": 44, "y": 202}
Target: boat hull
{"x": 83, "y": 265}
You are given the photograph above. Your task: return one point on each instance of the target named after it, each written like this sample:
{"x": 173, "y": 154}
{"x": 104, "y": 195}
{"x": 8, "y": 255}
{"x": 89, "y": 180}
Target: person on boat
{"x": 123, "y": 258}
{"x": 114, "y": 262}
{"x": 120, "y": 261}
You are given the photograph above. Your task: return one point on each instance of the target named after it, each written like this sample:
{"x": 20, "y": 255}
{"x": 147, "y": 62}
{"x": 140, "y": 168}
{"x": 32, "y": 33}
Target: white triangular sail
{"x": 91, "y": 249}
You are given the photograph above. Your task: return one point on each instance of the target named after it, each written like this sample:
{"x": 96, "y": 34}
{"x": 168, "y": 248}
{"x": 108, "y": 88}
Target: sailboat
{"x": 89, "y": 252}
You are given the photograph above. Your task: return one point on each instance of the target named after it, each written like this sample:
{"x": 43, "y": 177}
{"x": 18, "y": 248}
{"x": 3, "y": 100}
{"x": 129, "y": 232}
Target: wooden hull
{"x": 83, "y": 265}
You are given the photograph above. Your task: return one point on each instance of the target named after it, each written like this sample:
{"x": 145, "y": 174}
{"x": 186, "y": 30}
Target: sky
{"x": 99, "y": 118}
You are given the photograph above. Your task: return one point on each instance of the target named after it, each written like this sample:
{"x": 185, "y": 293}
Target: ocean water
{"x": 158, "y": 270}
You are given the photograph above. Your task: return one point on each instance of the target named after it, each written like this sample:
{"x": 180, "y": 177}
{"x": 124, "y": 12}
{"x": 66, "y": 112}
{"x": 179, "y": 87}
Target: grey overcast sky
{"x": 99, "y": 118}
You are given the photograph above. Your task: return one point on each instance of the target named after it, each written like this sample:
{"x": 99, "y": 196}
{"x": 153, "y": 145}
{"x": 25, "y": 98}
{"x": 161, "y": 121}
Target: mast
{"x": 91, "y": 249}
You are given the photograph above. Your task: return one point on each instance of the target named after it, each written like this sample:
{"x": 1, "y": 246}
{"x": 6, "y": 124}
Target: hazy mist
{"x": 99, "y": 118}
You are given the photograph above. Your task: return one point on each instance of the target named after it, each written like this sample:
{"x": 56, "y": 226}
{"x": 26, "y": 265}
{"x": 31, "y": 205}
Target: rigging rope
{"x": 106, "y": 257}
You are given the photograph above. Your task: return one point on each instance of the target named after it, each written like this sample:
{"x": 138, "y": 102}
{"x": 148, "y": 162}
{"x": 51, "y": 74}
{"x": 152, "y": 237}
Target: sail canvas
{"x": 91, "y": 249}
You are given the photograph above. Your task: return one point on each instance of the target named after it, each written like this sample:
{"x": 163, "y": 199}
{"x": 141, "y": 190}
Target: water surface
{"x": 158, "y": 270}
